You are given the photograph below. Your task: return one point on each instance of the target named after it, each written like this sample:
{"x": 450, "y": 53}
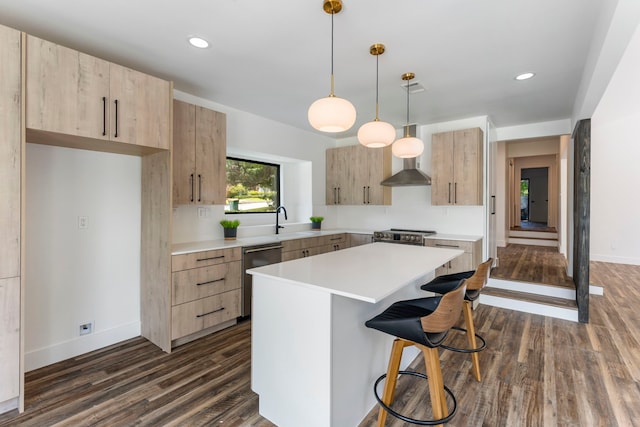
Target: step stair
{"x": 546, "y": 300}
{"x": 535, "y": 238}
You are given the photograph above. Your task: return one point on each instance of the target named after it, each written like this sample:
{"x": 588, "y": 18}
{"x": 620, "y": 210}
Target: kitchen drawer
{"x": 304, "y": 243}
{"x": 450, "y": 244}
{"x": 205, "y": 258}
{"x": 189, "y": 285}
{"x": 194, "y": 316}
{"x": 336, "y": 239}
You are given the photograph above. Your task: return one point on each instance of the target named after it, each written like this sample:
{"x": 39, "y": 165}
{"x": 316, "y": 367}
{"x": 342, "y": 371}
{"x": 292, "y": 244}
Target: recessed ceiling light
{"x": 525, "y": 76}
{"x": 198, "y": 42}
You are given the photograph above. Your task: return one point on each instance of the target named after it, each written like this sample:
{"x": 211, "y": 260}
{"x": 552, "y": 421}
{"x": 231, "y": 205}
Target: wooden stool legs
{"x": 434, "y": 374}
{"x": 471, "y": 337}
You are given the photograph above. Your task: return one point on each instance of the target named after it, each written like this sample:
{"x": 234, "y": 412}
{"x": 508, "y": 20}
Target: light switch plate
{"x": 83, "y": 222}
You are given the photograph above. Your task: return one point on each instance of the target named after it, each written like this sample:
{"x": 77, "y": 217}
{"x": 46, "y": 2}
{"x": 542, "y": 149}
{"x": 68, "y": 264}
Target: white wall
{"x": 411, "y": 206}
{"x": 301, "y": 155}
{"x": 615, "y": 173}
{"x": 73, "y": 275}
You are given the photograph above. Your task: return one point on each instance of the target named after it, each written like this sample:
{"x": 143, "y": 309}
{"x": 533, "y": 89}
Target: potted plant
{"x": 230, "y": 227}
{"x": 316, "y": 222}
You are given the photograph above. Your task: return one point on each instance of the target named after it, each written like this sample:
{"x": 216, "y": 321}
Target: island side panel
{"x": 291, "y": 353}
{"x": 360, "y": 354}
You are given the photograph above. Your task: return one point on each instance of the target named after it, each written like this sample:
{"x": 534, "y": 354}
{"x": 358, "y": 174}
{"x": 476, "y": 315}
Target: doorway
{"x": 534, "y": 198}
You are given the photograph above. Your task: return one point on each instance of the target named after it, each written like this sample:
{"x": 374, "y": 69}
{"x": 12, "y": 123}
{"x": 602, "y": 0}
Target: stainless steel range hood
{"x": 410, "y": 175}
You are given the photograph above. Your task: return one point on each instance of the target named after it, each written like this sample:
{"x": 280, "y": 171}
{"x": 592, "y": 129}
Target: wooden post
{"x": 581, "y": 216}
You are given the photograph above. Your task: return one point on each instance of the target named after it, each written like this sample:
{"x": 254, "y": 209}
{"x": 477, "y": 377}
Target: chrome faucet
{"x": 278, "y": 226}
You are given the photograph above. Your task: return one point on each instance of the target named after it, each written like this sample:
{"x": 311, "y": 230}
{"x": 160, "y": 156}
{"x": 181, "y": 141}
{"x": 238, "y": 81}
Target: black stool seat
{"x": 402, "y": 319}
{"x": 446, "y": 283}
{"x": 424, "y": 323}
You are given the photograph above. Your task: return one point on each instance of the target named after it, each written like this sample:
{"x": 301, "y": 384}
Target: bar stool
{"x": 423, "y": 323}
{"x": 475, "y": 280}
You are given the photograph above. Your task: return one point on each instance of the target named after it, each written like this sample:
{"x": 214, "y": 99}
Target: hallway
{"x": 534, "y": 264}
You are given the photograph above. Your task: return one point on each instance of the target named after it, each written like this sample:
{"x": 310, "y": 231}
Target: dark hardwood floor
{"x": 536, "y": 371}
{"x": 535, "y": 264}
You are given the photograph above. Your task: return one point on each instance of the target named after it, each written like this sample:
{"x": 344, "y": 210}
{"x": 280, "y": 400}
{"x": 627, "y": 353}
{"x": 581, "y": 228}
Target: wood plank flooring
{"x": 534, "y": 264}
{"x": 536, "y": 371}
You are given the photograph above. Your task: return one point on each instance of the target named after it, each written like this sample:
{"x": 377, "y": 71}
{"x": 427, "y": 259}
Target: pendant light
{"x": 408, "y": 146}
{"x": 376, "y": 134}
{"x": 332, "y": 114}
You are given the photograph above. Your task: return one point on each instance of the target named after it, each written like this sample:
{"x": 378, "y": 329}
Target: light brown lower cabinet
{"x": 205, "y": 292}
{"x": 309, "y": 246}
{"x": 468, "y": 261}
{"x": 356, "y": 239}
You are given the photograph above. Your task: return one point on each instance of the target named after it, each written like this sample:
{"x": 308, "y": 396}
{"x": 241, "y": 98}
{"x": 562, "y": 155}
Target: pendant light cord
{"x": 407, "y": 102}
{"x": 332, "y": 13}
{"x": 377, "y": 77}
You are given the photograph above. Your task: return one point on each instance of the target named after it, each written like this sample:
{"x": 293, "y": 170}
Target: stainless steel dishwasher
{"x": 256, "y": 256}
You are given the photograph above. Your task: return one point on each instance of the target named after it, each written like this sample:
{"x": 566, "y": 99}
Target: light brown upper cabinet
{"x": 69, "y": 92}
{"x": 10, "y": 231}
{"x": 456, "y": 167}
{"x": 354, "y": 173}
{"x": 199, "y": 155}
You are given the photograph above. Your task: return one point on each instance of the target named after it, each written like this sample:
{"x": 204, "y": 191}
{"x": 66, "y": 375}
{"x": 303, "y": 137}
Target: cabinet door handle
{"x": 364, "y": 195}
{"x": 192, "y": 184}
{"x": 211, "y": 312}
{"x": 368, "y": 195}
{"x": 210, "y": 282}
{"x": 210, "y": 258}
{"x": 493, "y": 205}
{"x": 338, "y": 195}
{"x": 116, "y": 132}
{"x": 104, "y": 116}
{"x": 199, "y": 187}
{"x": 449, "y": 193}
{"x": 455, "y": 193}
{"x": 335, "y": 195}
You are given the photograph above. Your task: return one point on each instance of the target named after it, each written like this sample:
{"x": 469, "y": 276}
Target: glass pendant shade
{"x": 407, "y": 147}
{"x": 376, "y": 134}
{"x": 332, "y": 114}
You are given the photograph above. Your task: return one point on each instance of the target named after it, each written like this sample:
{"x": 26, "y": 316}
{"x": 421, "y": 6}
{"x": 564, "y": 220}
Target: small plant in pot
{"x": 316, "y": 222}
{"x": 230, "y": 228}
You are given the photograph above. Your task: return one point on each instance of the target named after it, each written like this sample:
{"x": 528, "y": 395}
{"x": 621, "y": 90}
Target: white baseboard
{"x": 8, "y": 405}
{"x": 38, "y": 358}
{"x": 615, "y": 259}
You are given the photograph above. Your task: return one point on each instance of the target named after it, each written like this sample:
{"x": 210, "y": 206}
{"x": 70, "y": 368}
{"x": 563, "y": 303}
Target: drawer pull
{"x": 336, "y": 238}
{"x": 212, "y": 281}
{"x": 209, "y": 259}
{"x": 211, "y": 312}
{"x": 442, "y": 245}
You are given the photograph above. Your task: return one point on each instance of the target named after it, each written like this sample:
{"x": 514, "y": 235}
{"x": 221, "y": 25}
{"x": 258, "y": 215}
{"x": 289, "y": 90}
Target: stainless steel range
{"x": 398, "y": 235}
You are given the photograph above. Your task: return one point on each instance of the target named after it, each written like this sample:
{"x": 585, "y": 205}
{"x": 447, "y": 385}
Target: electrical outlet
{"x": 83, "y": 222}
{"x": 203, "y": 212}
{"x": 86, "y": 328}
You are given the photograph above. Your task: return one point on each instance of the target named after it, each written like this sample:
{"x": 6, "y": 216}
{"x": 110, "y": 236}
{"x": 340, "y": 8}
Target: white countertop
{"x": 461, "y": 237}
{"x": 208, "y": 245}
{"x": 368, "y": 273}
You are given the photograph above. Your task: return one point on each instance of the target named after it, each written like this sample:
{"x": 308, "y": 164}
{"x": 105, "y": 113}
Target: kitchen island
{"x": 313, "y": 360}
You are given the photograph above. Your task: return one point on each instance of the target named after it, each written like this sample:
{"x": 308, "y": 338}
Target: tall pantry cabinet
{"x": 11, "y": 160}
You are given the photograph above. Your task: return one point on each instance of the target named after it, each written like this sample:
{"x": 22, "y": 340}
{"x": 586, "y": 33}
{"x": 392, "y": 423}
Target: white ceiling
{"x": 272, "y": 58}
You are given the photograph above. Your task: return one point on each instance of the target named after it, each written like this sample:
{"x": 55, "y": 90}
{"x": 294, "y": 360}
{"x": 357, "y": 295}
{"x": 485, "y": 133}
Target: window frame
{"x": 277, "y": 184}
